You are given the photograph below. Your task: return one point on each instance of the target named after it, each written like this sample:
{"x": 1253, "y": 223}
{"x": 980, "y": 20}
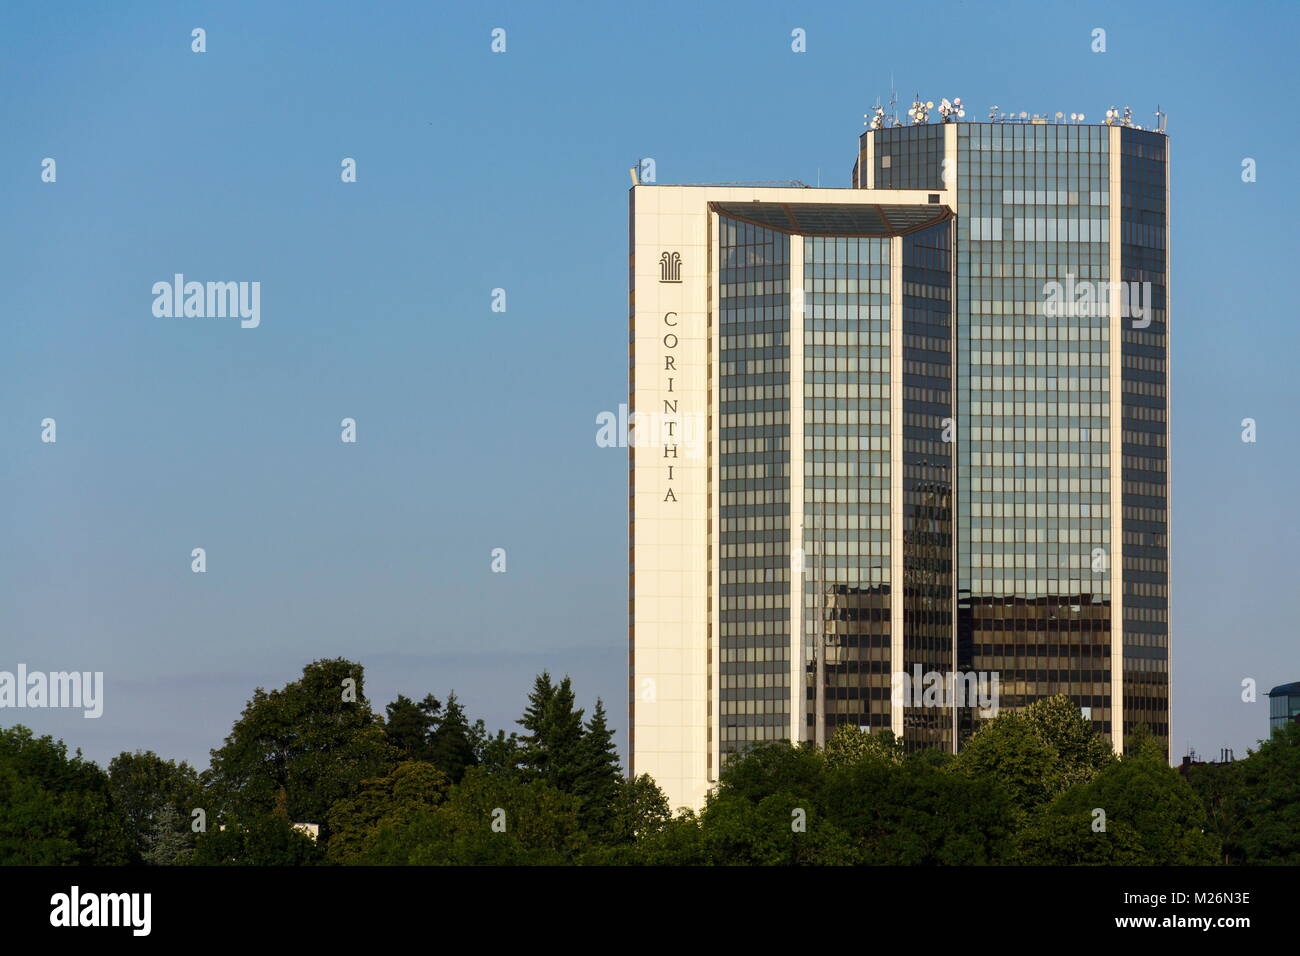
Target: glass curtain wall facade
{"x": 847, "y": 385}
{"x": 753, "y": 636}
{"x": 1038, "y": 406}
{"x": 1034, "y": 413}
{"x": 926, "y": 380}
{"x": 1144, "y": 433}
{"x": 1283, "y": 706}
{"x": 846, "y": 399}
{"x": 910, "y": 157}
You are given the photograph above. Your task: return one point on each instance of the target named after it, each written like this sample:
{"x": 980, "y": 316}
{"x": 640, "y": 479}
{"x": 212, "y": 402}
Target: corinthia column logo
{"x": 670, "y": 267}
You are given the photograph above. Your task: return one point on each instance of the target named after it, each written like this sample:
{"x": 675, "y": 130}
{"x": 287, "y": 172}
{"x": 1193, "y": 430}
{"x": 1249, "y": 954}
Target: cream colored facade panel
{"x": 669, "y": 553}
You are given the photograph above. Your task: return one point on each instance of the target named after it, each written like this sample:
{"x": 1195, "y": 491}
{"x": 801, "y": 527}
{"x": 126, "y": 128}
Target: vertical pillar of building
{"x": 714, "y": 428}
{"x": 799, "y": 562}
{"x": 1169, "y": 474}
{"x": 631, "y": 486}
{"x": 867, "y": 166}
{"x": 896, "y": 663}
{"x": 1115, "y": 435}
{"x": 950, "y": 186}
{"x": 670, "y": 605}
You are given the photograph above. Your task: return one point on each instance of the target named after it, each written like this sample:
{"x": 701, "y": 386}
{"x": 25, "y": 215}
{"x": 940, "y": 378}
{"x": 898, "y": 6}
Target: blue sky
{"x": 475, "y": 428}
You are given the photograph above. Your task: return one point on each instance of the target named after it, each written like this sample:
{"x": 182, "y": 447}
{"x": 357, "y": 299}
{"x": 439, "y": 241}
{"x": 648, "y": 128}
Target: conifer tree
{"x": 599, "y": 772}
{"x": 533, "y": 746}
{"x": 564, "y": 735}
{"x": 451, "y": 748}
{"x": 410, "y": 726}
{"x": 552, "y": 747}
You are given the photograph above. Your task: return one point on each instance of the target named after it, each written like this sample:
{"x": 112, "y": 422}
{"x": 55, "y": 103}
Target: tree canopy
{"x": 420, "y": 784}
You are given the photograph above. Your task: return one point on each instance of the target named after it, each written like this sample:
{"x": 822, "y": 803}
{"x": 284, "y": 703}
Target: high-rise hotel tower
{"x": 917, "y": 426}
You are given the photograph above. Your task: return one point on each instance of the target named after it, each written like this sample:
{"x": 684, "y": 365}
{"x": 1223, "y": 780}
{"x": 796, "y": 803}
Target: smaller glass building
{"x": 1283, "y": 706}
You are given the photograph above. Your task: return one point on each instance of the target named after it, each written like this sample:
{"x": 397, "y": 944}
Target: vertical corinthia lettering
{"x": 670, "y": 342}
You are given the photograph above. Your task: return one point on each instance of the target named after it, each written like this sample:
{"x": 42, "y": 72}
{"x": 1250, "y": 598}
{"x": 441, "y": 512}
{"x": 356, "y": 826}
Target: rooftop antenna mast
{"x": 893, "y": 100}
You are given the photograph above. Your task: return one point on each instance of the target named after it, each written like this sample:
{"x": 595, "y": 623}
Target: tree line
{"x": 420, "y": 784}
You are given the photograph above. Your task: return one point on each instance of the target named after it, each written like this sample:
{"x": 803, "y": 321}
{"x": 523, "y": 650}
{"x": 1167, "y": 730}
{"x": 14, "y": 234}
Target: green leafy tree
{"x": 776, "y": 831}
{"x": 1141, "y": 743}
{"x": 144, "y": 786}
{"x": 768, "y": 810}
{"x": 264, "y": 840}
{"x": 1223, "y": 794}
{"x": 307, "y": 746}
{"x": 850, "y": 744}
{"x": 678, "y": 842}
{"x": 1152, "y": 818}
{"x": 640, "y": 809}
{"x": 412, "y": 788}
{"x": 1009, "y": 750}
{"x": 1081, "y": 752}
{"x": 856, "y": 803}
{"x": 777, "y": 767}
{"x": 915, "y": 813}
{"x": 56, "y": 808}
{"x": 1037, "y": 753}
{"x": 487, "y": 819}
{"x": 1270, "y": 823}
{"x": 34, "y": 828}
